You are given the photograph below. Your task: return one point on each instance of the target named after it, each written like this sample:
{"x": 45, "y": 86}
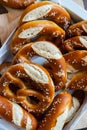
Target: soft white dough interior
{"x": 61, "y": 120}
{"x": 30, "y": 32}
{"x": 73, "y": 109}
{"x": 83, "y": 40}
{"x": 37, "y": 13}
{"x": 84, "y": 26}
{"x": 35, "y": 73}
{"x": 29, "y": 122}
{"x": 17, "y": 114}
{"x": 47, "y": 50}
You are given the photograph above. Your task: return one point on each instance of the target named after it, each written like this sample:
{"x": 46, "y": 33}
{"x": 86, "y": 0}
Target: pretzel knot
{"x": 53, "y": 56}
{"x": 28, "y": 84}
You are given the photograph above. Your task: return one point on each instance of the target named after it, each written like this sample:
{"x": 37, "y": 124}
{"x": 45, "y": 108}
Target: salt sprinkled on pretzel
{"x": 37, "y": 30}
{"x": 46, "y": 10}
{"x": 28, "y": 84}
{"x": 15, "y": 114}
{"x": 50, "y": 52}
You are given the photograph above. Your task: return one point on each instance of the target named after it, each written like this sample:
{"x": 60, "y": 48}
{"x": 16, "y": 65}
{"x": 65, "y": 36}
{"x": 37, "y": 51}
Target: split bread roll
{"x": 28, "y": 84}
{"x": 51, "y": 53}
{"x": 76, "y": 61}
{"x": 62, "y": 110}
{"x": 74, "y": 43}
{"x": 37, "y": 30}
{"x": 15, "y": 114}
{"x": 77, "y": 29}
{"x": 46, "y": 10}
{"x": 56, "y": 116}
{"x": 17, "y": 3}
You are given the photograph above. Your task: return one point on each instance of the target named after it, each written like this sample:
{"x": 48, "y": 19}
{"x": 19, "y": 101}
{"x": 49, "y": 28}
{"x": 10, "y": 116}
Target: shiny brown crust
{"x": 77, "y": 81}
{"x": 57, "y": 65}
{"x": 58, "y": 107}
{"x": 57, "y": 13}
{"x": 48, "y": 31}
{"x": 74, "y": 43}
{"x": 80, "y": 95}
{"x": 3, "y": 67}
{"x": 76, "y": 60}
{"x": 77, "y": 29}
{"x": 7, "y": 111}
{"x": 17, "y": 3}
{"x": 34, "y": 94}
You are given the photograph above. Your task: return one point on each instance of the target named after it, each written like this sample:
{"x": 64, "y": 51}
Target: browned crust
{"x": 17, "y": 3}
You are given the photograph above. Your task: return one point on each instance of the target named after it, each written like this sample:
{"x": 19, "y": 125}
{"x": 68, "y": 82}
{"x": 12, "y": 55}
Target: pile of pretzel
{"x": 49, "y": 59}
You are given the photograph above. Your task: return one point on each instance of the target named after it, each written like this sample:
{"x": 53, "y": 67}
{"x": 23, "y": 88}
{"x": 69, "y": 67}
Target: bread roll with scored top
{"x": 37, "y": 30}
{"x": 15, "y": 114}
{"x": 78, "y": 98}
{"x": 56, "y": 115}
{"x": 51, "y": 53}
{"x": 74, "y": 43}
{"x": 77, "y": 29}
{"x": 17, "y": 3}
{"x": 76, "y": 61}
{"x": 46, "y": 10}
{"x": 28, "y": 84}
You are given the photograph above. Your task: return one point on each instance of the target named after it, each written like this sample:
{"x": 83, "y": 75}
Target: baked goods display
{"x": 20, "y": 4}
{"x": 47, "y": 76}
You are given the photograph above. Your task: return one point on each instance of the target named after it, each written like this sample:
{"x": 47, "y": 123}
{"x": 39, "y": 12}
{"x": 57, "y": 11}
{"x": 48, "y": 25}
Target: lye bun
{"x": 17, "y": 3}
{"x": 47, "y": 10}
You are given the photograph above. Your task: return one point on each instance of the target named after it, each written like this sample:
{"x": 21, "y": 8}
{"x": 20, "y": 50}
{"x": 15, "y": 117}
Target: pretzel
{"x": 37, "y": 30}
{"x": 51, "y": 53}
{"x": 56, "y": 116}
{"x": 17, "y": 3}
{"x": 77, "y": 81}
{"x": 77, "y": 29}
{"x": 15, "y": 114}
{"x": 3, "y": 67}
{"x": 46, "y": 10}
{"x": 76, "y": 60}
{"x": 78, "y": 98}
{"x": 28, "y": 84}
{"x": 74, "y": 43}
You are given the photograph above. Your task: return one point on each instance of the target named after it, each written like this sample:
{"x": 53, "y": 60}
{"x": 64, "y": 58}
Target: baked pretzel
{"x": 77, "y": 29}
{"x": 3, "y": 67}
{"x": 76, "y": 60}
{"x": 77, "y": 81}
{"x": 15, "y": 114}
{"x": 51, "y": 53}
{"x": 17, "y": 3}
{"x": 46, "y": 10}
{"x": 28, "y": 84}
{"x": 37, "y": 30}
{"x": 56, "y": 116}
{"x": 78, "y": 98}
{"x": 74, "y": 43}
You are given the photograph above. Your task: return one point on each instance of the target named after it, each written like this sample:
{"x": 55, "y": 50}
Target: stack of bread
{"x": 35, "y": 96}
